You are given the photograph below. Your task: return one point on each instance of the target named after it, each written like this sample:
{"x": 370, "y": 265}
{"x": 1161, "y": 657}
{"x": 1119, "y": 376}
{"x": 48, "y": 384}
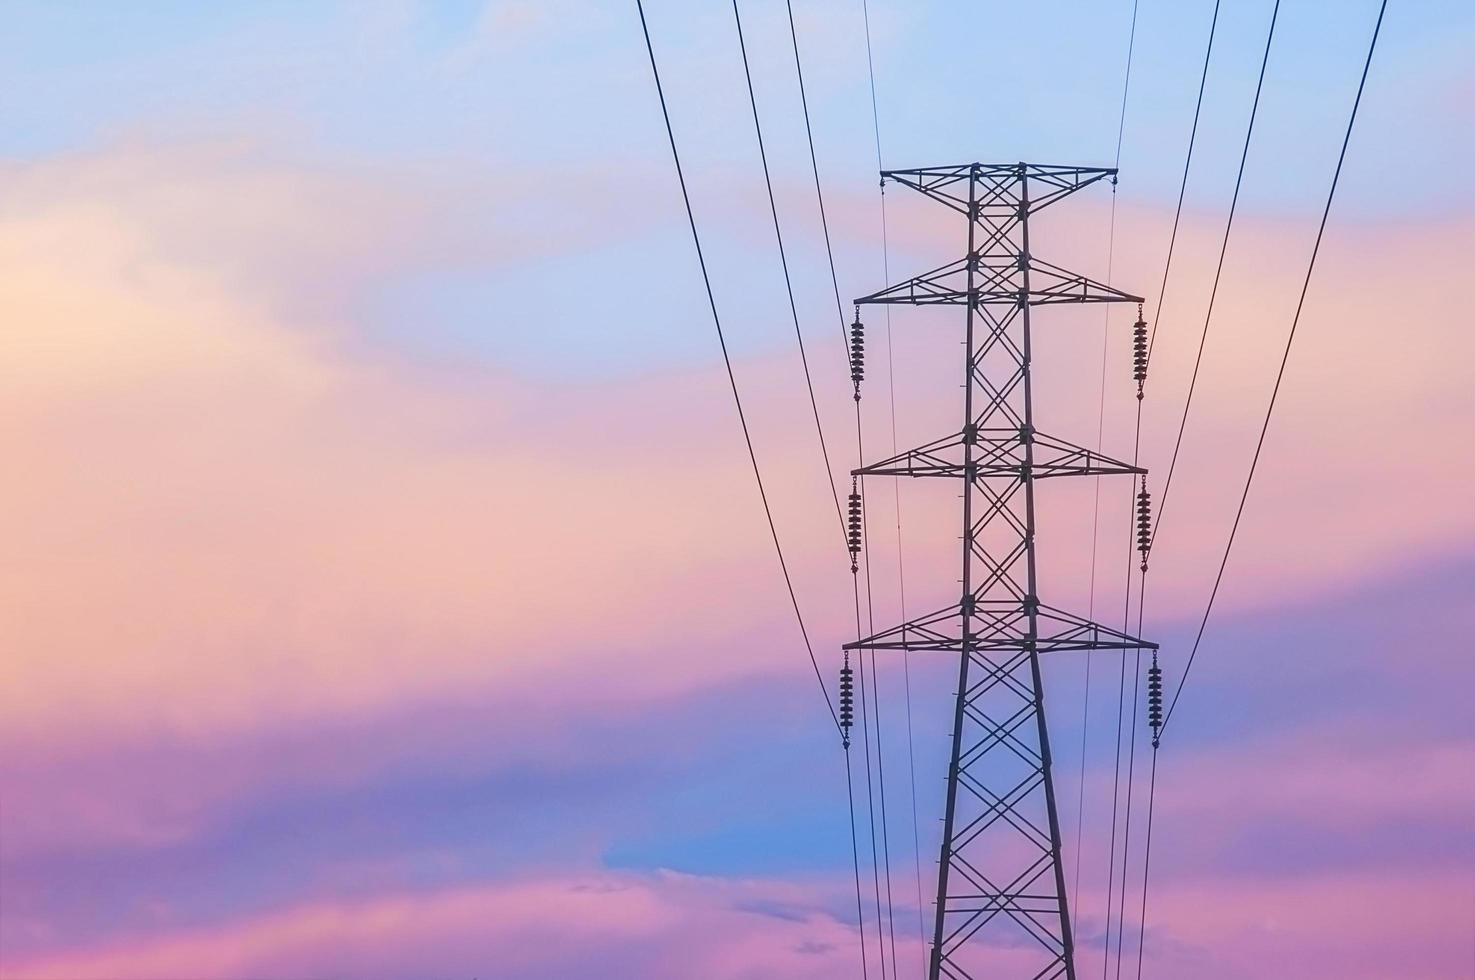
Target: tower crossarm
{"x": 995, "y": 184}
{"x": 999, "y": 279}
{"x": 1000, "y": 454}
{"x": 1000, "y": 625}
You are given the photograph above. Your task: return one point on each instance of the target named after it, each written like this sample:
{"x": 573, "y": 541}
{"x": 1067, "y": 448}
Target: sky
{"x": 388, "y": 594}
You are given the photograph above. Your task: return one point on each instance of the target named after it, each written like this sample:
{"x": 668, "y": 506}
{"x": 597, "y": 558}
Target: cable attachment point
{"x": 852, "y": 527}
{"x": 857, "y": 353}
{"x": 1139, "y": 351}
{"x": 847, "y": 701}
{"x": 1155, "y": 699}
{"x": 1144, "y": 522}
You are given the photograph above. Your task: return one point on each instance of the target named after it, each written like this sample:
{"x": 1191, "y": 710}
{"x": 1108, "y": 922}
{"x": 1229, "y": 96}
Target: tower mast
{"x": 1000, "y": 873}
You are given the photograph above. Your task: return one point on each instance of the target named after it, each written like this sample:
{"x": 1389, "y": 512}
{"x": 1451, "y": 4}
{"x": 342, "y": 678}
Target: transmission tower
{"x": 1000, "y": 874}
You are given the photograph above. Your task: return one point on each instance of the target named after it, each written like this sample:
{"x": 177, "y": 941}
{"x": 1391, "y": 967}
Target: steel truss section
{"x": 1001, "y": 897}
{"x": 1000, "y": 453}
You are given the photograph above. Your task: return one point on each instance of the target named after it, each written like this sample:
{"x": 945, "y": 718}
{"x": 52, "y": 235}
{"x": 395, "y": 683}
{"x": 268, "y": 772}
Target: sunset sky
{"x": 387, "y": 593}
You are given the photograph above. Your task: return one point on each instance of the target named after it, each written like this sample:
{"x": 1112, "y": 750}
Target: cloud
{"x": 677, "y": 926}
{"x": 188, "y": 445}
{"x": 664, "y": 925}
{"x": 251, "y": 546}
{"x": 1310, "y": 925}
{"x": 233, "y": 514}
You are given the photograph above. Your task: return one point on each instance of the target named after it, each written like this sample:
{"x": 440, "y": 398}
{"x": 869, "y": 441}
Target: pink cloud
{"x": 666, "y": 925}
{"x": 1332, "y": 925}
{"x": 1335, "y": 785}
{"x": 378, "y": 517}
{"x": 678, "y": 926}
{"x": 231, "y": 519}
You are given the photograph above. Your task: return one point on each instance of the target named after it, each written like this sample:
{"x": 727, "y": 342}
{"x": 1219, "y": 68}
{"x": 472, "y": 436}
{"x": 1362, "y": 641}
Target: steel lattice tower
{"x": 1000, "y": 877}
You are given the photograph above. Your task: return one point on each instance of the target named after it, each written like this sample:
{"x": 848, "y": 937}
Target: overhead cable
{"x": 731, "y": 377}
{"x": 1284, "y": 360}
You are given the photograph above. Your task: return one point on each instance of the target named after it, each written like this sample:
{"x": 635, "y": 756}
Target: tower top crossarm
{"x": 948, "y": 185}
{"x": 997, "y": 199}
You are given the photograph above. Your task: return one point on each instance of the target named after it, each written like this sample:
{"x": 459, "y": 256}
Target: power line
{"x": 1254, "y": 463}
{"x": 906, "y": 669}
{"x": 819, "y": 429}
{"x": 1121, "y": 126}
{"x": 1219, "y": 269}
{"x": 896, "y": 498}
{"x": 875, "y": 698}
{"x": 1100, "y": 436}
{"x": 870, "y": 798}
{"x": 1131, "y": 775}
{"x": 1284, "y": 359}
{"x": 727, "y": 362}
{"x": 1183, "y": 424}
{"x": 753, "y": 459}
{"x": 1121, "y": 704}
{"x": 1183, "y": 186}
{"x": 1146, "y": 863}
{"x": 1091, "y": 591}
{"x": 819, "y": 194}
{"x": 906, "y": 666}
{"x": 860, "y": 916}
{"x": 1152, "y": 340}
{"x": 784, "y": 262}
